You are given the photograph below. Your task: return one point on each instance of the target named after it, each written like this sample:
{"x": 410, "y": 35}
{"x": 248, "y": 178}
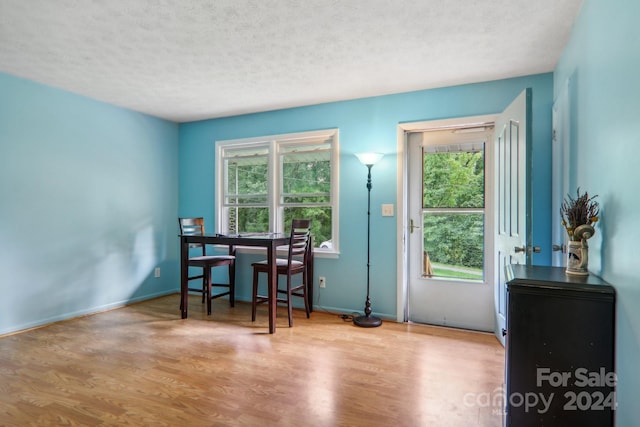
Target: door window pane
{"x": 454, "y": 245}
{"x": 453, "y": 211}
{"x": 454, "y": 179}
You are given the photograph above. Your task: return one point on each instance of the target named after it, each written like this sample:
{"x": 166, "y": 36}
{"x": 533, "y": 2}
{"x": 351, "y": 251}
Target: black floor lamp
{"x": 368, "y": 321}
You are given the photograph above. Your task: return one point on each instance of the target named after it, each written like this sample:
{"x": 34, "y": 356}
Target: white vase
{"x": 578, "y": 258}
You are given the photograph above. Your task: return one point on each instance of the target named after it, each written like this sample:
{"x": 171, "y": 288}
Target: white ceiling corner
{"x": 186, "y": 60}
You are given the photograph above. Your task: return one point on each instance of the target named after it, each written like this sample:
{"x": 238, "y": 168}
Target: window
{"x": 454, "y": 210}
{"x": 263, "y": 183}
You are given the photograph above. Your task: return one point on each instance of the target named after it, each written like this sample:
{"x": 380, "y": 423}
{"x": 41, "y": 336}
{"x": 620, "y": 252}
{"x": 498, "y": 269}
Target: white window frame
{"x": 273, "y": 142}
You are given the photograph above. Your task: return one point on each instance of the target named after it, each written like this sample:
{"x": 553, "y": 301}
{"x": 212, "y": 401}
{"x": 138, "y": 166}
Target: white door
{"x": 450, "y": 256}
{"x": 513, "y": 195}
{"x": 560, "y": 175}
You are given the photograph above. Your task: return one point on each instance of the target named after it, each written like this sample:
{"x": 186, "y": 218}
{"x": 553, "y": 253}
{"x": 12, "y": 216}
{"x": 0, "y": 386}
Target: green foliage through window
{"x": 453, "y": 211}
{"x": 275, "y": 181}
{"x": 454, "y": 180}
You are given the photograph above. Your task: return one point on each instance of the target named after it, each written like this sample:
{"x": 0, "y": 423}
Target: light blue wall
{"x": 602, "y": 60}
{"x": 88, "y": 205}
{"x": 367, "y": 124}
{"x": 90, "y": 192}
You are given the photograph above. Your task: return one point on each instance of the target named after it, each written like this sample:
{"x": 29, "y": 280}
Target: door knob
{"x": 561, "y": 248}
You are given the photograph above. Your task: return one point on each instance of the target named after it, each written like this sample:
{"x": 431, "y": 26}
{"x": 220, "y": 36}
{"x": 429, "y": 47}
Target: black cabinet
{"x": 559, "y": 349}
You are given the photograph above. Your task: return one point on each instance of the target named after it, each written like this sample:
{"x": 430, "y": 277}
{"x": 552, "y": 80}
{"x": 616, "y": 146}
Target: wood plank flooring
{"x": 144, "y": 366}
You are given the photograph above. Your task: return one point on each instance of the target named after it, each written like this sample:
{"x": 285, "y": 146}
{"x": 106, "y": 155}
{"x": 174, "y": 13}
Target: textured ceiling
{"x": 187, "y": 60}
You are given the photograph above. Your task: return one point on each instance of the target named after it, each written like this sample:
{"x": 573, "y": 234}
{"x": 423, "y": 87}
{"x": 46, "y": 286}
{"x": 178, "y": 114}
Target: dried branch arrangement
{"x": 579, "y": 211}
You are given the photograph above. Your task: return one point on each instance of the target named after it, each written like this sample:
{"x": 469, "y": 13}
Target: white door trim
{"x": 402, "y": 199}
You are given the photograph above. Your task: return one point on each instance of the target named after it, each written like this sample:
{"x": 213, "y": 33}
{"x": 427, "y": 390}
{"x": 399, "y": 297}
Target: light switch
{"x": 387, "y": 210}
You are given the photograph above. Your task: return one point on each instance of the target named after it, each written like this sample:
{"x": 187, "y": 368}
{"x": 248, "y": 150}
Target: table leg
{"x": 273, "y": 286}
{"x": 184, "y": 272}
{"x": 310, "y": 262}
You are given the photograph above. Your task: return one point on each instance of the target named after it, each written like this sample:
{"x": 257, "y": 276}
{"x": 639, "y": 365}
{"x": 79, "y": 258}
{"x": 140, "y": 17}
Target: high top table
{"x": 266, "y": 240}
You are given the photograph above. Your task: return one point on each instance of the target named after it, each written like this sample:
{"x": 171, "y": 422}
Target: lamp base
{"x": 367, "y": 321}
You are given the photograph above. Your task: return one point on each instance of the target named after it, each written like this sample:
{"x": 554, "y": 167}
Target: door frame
{"x": 402, "y": 202}
{"x": 560, "y": 167}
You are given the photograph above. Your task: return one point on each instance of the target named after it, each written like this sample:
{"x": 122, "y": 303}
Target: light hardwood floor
{"x": 144, "y": 366}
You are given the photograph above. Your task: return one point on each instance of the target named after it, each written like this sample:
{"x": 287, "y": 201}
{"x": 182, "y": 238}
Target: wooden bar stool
{"x": 195, "y": 227}
{"x": 295, "y": 263}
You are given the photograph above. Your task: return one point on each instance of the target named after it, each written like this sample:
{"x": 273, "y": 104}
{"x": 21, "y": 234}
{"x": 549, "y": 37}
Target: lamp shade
{"x": 369, "y": 158}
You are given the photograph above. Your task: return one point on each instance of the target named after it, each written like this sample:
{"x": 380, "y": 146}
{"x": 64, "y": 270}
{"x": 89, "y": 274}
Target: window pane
{"x": 306, "y": 177}
{"x": 320, "y": 222}
{"x": 453, "y": 179}
{"x": 246, "y": 174}
{"x": 243, "y": 220}
{"x": 453, "y": 245}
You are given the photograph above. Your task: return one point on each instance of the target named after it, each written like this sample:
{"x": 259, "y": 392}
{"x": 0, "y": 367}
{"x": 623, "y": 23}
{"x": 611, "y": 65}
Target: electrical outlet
{"x": 322, "y": 281}
{"x": 156, "y": 273}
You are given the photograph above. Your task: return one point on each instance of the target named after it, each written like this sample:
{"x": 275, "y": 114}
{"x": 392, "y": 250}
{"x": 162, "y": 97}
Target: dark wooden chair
{"x": 295, "y": 263}
{"x": 195, "y": 227}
